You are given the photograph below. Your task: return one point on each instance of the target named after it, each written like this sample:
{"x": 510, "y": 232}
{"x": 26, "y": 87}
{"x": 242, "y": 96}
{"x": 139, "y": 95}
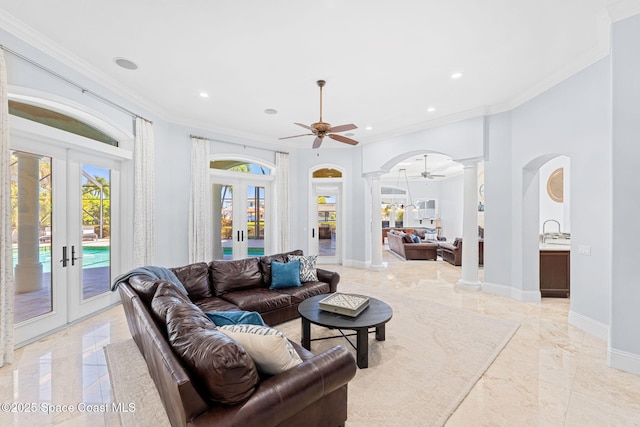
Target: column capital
{"x": 470, "y": 162}
{"x": 373, "y": 175}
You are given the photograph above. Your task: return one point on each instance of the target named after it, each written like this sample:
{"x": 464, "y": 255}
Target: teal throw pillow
{"x": 415, "y": 238}
{"x": 221, "y": 318}
{"x": 285, "y": 274}
{"x": 308, "y": 272}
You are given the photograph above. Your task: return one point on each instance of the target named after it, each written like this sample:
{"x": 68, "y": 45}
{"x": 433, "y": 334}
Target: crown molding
{"x": 624, "y": 9}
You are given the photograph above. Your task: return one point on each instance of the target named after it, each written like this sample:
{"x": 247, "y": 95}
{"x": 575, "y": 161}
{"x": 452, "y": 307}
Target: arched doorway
{"x": 67, "y": 170}
{"x": 242, "y": 195}
{"x": 546, "y": 228}
{"x": 326, "y": 219}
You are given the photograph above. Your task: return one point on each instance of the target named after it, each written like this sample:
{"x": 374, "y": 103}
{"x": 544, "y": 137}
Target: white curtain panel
{"x": 6, "y": 251}
{"x": 144, "y": 159}
{"x": 200, "y": 249}
{"x": 282, "y": 200}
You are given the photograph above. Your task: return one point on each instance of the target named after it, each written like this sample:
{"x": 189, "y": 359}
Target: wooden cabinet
{"x": 554, "y": 273}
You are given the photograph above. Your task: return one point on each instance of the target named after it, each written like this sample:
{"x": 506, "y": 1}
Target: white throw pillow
{"x": 270, "y": 350}
{"x": 308, "y": 272}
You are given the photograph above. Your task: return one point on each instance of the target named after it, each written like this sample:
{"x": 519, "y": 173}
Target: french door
{"x": 64, "y": 232}
{"x": 325, "y": 223}
{"x": 241, "y": 217}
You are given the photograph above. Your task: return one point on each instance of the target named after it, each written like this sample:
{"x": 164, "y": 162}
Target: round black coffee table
{"x": 376, "y": 315}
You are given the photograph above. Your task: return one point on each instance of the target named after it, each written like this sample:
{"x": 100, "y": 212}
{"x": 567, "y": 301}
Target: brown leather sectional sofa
{"x": 204, "y": 377}
{"x": 452, "y": 252}
{"x": 402, "y": 244}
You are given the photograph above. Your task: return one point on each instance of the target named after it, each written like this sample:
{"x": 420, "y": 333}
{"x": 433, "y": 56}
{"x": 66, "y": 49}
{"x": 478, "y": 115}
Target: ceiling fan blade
{"x": 343, "y": 139}
{"x": 317, "y": 142}
{"x": 437, "y": 176}
{"x": 305, "y": 126}
{"x": 296, "y": 136}
{"x": 343, "y": 128}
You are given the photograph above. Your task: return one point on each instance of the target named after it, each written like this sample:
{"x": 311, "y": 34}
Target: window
{"x": 327, "y": 173}
{"x": 59, "y": 121}
{"x": 240, "y": 166}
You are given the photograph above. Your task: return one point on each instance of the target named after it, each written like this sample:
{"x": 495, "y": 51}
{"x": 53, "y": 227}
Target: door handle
{"x": 243, "y": 235}
{"x": 313, "y": 233}
{"x": 64, "y": 259}
{"x": 73, "y": 255}
{"x": 238, "y": 235}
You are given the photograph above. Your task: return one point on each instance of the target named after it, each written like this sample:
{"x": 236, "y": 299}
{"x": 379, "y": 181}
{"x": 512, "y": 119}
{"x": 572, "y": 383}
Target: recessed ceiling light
{"x": 349, "y": 134}
{"x": 204, "y": 95}
{"x": 456, "y": 75}
{"x": 431, "y": 109}
{"x": 369, "y": 128}
{"x": 270, "y": 111}
{"x": 126, "y": 64}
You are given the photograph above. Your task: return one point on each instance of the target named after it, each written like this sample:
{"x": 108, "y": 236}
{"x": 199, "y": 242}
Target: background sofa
{"x": 403, "y": 245}
{"x": 452, "y": 252}
{"x": 206, "y": 378}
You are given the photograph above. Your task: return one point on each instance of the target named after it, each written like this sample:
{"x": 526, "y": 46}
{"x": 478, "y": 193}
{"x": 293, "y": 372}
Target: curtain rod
{"x": 83, "y": 89}
{"x": 234, "y": 143}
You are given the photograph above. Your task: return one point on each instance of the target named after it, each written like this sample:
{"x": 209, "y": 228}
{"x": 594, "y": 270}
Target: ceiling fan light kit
{"x": 428, "y": 175}
{"x": 321, "y": 129}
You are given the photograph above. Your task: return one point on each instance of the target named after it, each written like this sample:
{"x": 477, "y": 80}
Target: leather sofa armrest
{"x": 284, "y": 395}
{"x": 330, "y": 277}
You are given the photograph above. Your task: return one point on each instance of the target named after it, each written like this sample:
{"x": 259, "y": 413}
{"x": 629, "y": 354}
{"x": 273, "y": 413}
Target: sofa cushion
{"x": 236, "y": 275}
{"x": 308, "y": 272}
{"x": 285, "y": 274}
{"x": 307, "y": 290}
{"x": 215, "y": 304}
{"x": 221, "y": 368}
{"x": 260, "y": 300}
{"x": 265, "y": 264}
{"x": 145, "y": 286}
{"x": 406, "y": 238}
{"x": 237, "y": 317}
{"x": 270, "y": 350}
{"x": 195, "y": 278}
{"x": 167, "y": 295}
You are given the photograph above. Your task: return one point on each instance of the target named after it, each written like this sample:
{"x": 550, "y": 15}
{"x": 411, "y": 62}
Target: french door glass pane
{"x": 31, "y": 233}
{"x": 326, "y": 225}
{"x": 255, "y": 220}
{"x": 95, "y": 231}
{"x": 223, "y": 221}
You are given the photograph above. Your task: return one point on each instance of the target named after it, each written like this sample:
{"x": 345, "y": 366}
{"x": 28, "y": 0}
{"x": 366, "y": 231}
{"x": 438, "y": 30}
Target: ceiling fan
{"x": 426, "y": 173}
{"x": 322, "y": 129}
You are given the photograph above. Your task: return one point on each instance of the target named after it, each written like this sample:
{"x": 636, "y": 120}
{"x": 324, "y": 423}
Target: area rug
{"x": 432, "y": 357}
{"x": 132, "y": 385}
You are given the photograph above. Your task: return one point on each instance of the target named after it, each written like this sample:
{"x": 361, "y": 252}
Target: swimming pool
{"x": 92, "y": 257}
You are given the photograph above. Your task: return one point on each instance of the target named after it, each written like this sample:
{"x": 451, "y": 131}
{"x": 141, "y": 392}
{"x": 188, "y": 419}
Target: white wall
{"x": 624, "y": 345}
{"x": 451, "y": 207}
{"x": 570, "y": 119}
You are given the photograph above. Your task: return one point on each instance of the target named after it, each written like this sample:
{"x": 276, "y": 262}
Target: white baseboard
{"x": 356, "y": 263}
{"x": 623, "y": 360}
{"x": 593, "y": 327}
{"x": 495, "y": 289}
{"x": 525, "y": 296}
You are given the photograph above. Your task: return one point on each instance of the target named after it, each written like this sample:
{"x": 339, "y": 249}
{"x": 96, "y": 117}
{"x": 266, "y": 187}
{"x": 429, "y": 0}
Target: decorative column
{"x": 28, "y": 270}
{"x": 469, "y": 279}
{"x": 376, "y": 223}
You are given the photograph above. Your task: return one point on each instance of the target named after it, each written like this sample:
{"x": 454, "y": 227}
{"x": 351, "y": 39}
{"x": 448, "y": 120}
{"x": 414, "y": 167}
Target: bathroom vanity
{"x": 555, "y": 270}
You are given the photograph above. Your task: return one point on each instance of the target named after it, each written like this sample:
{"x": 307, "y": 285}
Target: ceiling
{"x": 386, "y": 63}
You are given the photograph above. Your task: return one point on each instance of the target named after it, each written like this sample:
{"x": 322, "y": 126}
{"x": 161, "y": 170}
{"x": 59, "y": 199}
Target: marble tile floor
{"x": 550, "y": 373}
